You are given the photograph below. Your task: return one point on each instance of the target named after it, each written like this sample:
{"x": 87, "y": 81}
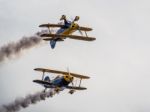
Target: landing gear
{"x": 57, "y": 89}
{"x": 44, "y": 90}
{"x": 71, "y": 91}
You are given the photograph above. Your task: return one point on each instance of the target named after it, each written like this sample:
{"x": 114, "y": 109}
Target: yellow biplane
{"x": 61, "y": 81}
{"x": 65, "y": 31}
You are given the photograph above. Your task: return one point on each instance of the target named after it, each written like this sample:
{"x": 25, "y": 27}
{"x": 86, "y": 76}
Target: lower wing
{"x": 76, "y": 88}
{"x": 67, "y": 36}
{"x": 50, "y": 85}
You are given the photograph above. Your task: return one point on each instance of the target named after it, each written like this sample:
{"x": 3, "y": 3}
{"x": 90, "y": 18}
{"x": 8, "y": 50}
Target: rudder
{"x": 53, "y": 43}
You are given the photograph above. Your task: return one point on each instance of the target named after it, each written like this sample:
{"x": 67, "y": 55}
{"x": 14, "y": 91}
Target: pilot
{"x": 66, "y": 23}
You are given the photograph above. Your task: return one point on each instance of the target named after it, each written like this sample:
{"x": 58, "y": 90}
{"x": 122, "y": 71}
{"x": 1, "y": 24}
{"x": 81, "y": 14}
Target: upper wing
{"x": 50, "y": 25}
{"x": 76, "y": 88}
{"x": 69, "y": 36}
{"x": 61, "y": 72}
{"x": 85, "y": 29}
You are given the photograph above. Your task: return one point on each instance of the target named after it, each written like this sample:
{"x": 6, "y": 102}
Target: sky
{"x": 118, "y": 61}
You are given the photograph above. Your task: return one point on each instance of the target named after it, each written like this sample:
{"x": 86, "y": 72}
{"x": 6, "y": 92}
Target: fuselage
{"x": 68, "y": 28}
{"x": 62, "y": 81}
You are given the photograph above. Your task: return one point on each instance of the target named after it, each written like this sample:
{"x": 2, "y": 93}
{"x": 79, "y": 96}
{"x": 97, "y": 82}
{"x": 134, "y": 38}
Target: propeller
{"x": 72, "y": 90}
{"x": 69, "y": 75}
{"x": 76, "y": 19}
{"x": 68, "y": 71}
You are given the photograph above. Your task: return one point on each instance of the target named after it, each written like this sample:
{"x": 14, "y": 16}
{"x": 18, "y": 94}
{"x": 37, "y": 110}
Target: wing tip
{"x": 94, "y": 38}
{"x": 44, "y": 25}
{"x": 90, "y": 29}
{"x": 86, "y": 77}
{"x": 91, "y": 38}
{"x": 35, "y": 69}
{"x": 40, "y": 25}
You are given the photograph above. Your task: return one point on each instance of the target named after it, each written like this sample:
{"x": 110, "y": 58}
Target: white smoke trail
{"x": 15, "y": 48}
{"x": 20, "y": 103}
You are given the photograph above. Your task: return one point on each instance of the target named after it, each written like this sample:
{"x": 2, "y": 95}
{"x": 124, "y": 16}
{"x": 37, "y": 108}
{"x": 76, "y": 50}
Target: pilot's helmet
{"x": 63, "y": 17}
{"x": 76, "y": 18}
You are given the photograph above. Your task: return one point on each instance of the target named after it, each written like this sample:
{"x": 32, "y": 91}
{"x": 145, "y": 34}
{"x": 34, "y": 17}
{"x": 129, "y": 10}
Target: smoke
{"x": 15, "y": 48}
{"x": 20, "y": 103}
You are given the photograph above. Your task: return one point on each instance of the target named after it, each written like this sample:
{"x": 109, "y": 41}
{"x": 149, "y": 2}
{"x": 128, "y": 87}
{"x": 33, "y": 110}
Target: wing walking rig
{"x": 64, "y": 31}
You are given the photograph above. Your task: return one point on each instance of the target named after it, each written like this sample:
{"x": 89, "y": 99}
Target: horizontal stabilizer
{"x": 42, "y": 82}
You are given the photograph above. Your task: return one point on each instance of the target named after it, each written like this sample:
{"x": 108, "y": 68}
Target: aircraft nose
{"x": 72, "y": 78}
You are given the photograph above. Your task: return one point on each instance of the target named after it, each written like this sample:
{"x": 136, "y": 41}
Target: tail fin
{"x": 63, "y": 17}
{"x": 47, "y": 79}
{"x": 52, "y": 43}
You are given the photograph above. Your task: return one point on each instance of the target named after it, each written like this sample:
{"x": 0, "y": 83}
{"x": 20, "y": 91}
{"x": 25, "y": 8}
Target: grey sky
{"x": 118, "y": 61}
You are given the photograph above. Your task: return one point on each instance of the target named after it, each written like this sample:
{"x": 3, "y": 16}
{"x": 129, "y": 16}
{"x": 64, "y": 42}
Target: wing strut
{"x": 80, "y": 82}
{"x": 86, "y": 34}
{"x": 43, "y": 75}
{"x": 49, "y": 30}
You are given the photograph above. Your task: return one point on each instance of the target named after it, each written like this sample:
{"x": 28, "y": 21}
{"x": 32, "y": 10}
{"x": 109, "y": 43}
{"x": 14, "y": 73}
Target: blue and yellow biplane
{"x": 65, "y": 31}
{"x": 61, "y": 81}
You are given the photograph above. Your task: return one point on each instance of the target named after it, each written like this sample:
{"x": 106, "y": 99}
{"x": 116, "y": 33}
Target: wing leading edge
{"x": 61, "y": 72}
{"x": 50, "y": 85}
{"x": 51, "y": 25}
{"x": 67, "y": 36}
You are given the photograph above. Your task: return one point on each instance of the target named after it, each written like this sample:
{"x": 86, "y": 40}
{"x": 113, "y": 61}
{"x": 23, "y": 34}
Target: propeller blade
{"x": 72, "y": 19}
{"x": 80, "y": 31}
{"x": 68, "y": 71}
{"x": 72, "y": 83}
{"x": 69, "y": 75}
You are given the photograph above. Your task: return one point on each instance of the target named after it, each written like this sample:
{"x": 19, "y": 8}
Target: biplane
{"x": 61, "y": 81}
{"x": 65, "y": 31}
